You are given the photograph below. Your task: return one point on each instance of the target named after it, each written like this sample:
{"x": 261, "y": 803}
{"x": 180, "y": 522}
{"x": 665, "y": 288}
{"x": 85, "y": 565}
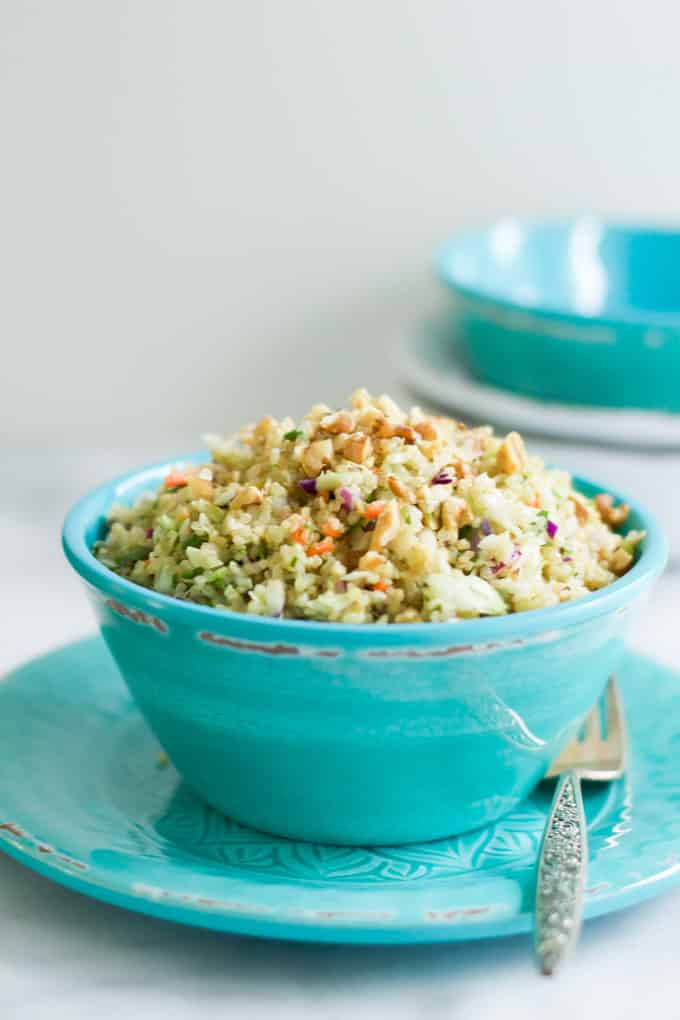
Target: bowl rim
{"x": 91, "y": 507}
{"x": 546, "y": 312}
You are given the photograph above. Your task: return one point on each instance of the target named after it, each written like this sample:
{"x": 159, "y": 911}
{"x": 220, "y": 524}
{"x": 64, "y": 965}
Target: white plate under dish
{"x": 433, "y": 367}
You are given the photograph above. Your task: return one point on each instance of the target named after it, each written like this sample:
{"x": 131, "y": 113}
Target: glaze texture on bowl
{"x": 346, "y": 734}
{"x": 577, "y": 312}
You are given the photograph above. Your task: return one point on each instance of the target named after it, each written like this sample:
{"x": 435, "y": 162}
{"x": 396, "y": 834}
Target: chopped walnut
{"x": 580, "y": 508}
{"x": 343, "y": 421}
{"x": 386, "y": 527}
{"x": 420, "y": 497}
{"x": 265, "y": 427}
{"x": 427, "y": 429}
{"x": 455, "y": 513}
{"x": 368, "y": 419}
{"x": 610, "y": 514}
{"x": 222, "y": 475}
{"x": 620, "y": 561}
{"x": 388, "y": 429}
{"x": 372, "y": 561}
{"x": 317, "y": 455}
{"x": 406, "y": 432}
{"x": 358, "y": 447}
{"x": 360, "y": 399}
{"x": 298, "y": 520}
{"x": 512, "y": 455}
{"x": 318, "y": 411}
{"x": 399, "y": 489}
{"x": 390, "y": 408}
{"x": 247, "y": 495}
{"x": 200, "y": 488}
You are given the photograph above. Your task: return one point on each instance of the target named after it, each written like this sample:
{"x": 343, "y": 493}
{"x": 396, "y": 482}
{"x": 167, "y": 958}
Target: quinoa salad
{"x": 369, "y": 514}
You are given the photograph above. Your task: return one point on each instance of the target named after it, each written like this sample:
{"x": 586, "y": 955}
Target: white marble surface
{"x": 62, "y": 955}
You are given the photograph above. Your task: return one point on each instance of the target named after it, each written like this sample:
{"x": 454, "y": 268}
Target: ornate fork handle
{"x": 561, "y": 874}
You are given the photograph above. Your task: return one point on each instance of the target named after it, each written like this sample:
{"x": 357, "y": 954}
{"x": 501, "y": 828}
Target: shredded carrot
{"x": 333, "y": 530}
{"x": 381, "y": 586}
{"x": 174, "y": 479}
{"x": 299, "y": 536}
{"x": 319, "y": 548}
{"x": 374, "y": 510}
{"x": 536, "y": 501}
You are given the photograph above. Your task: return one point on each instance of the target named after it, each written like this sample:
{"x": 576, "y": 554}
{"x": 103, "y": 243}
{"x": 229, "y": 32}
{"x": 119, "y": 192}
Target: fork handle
{"x": 560, "y": 879}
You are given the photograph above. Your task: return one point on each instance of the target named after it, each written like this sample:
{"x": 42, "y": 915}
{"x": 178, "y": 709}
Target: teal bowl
{"x": 352, "y": 734}
{"x": 579, "y": 312}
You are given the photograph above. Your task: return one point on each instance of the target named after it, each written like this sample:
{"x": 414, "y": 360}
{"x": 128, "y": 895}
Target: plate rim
{"x": 242, "y": 918}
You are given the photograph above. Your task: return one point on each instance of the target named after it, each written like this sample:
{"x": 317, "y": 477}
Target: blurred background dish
{"x": 582, "y": 311}
{"x": 435, "y": 364}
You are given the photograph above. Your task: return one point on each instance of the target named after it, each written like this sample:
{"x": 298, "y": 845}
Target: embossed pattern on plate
{"x": 100, "y": 815}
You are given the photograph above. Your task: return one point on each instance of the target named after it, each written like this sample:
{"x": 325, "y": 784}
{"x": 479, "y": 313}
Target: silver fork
{"x": 563, "y": 858}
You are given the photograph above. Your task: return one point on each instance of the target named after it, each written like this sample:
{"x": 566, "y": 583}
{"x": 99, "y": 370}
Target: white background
{"x": 213, "y": 210}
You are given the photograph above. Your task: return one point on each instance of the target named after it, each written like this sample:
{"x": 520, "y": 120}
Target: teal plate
{"x": 85, "y": 801}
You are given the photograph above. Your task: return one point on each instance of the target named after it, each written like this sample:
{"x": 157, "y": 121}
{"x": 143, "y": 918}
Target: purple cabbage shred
{"x": 308, "y": 485}
{"x": 346, "y": 498}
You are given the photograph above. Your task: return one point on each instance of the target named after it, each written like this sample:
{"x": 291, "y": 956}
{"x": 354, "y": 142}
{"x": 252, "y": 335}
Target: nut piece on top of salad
{"x": 369, "y": 514}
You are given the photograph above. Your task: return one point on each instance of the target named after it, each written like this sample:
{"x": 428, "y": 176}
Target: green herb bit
{"x": 137, "y": 552}
{"x": 293, "y": 435}
{"x": 217, "y": 575}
